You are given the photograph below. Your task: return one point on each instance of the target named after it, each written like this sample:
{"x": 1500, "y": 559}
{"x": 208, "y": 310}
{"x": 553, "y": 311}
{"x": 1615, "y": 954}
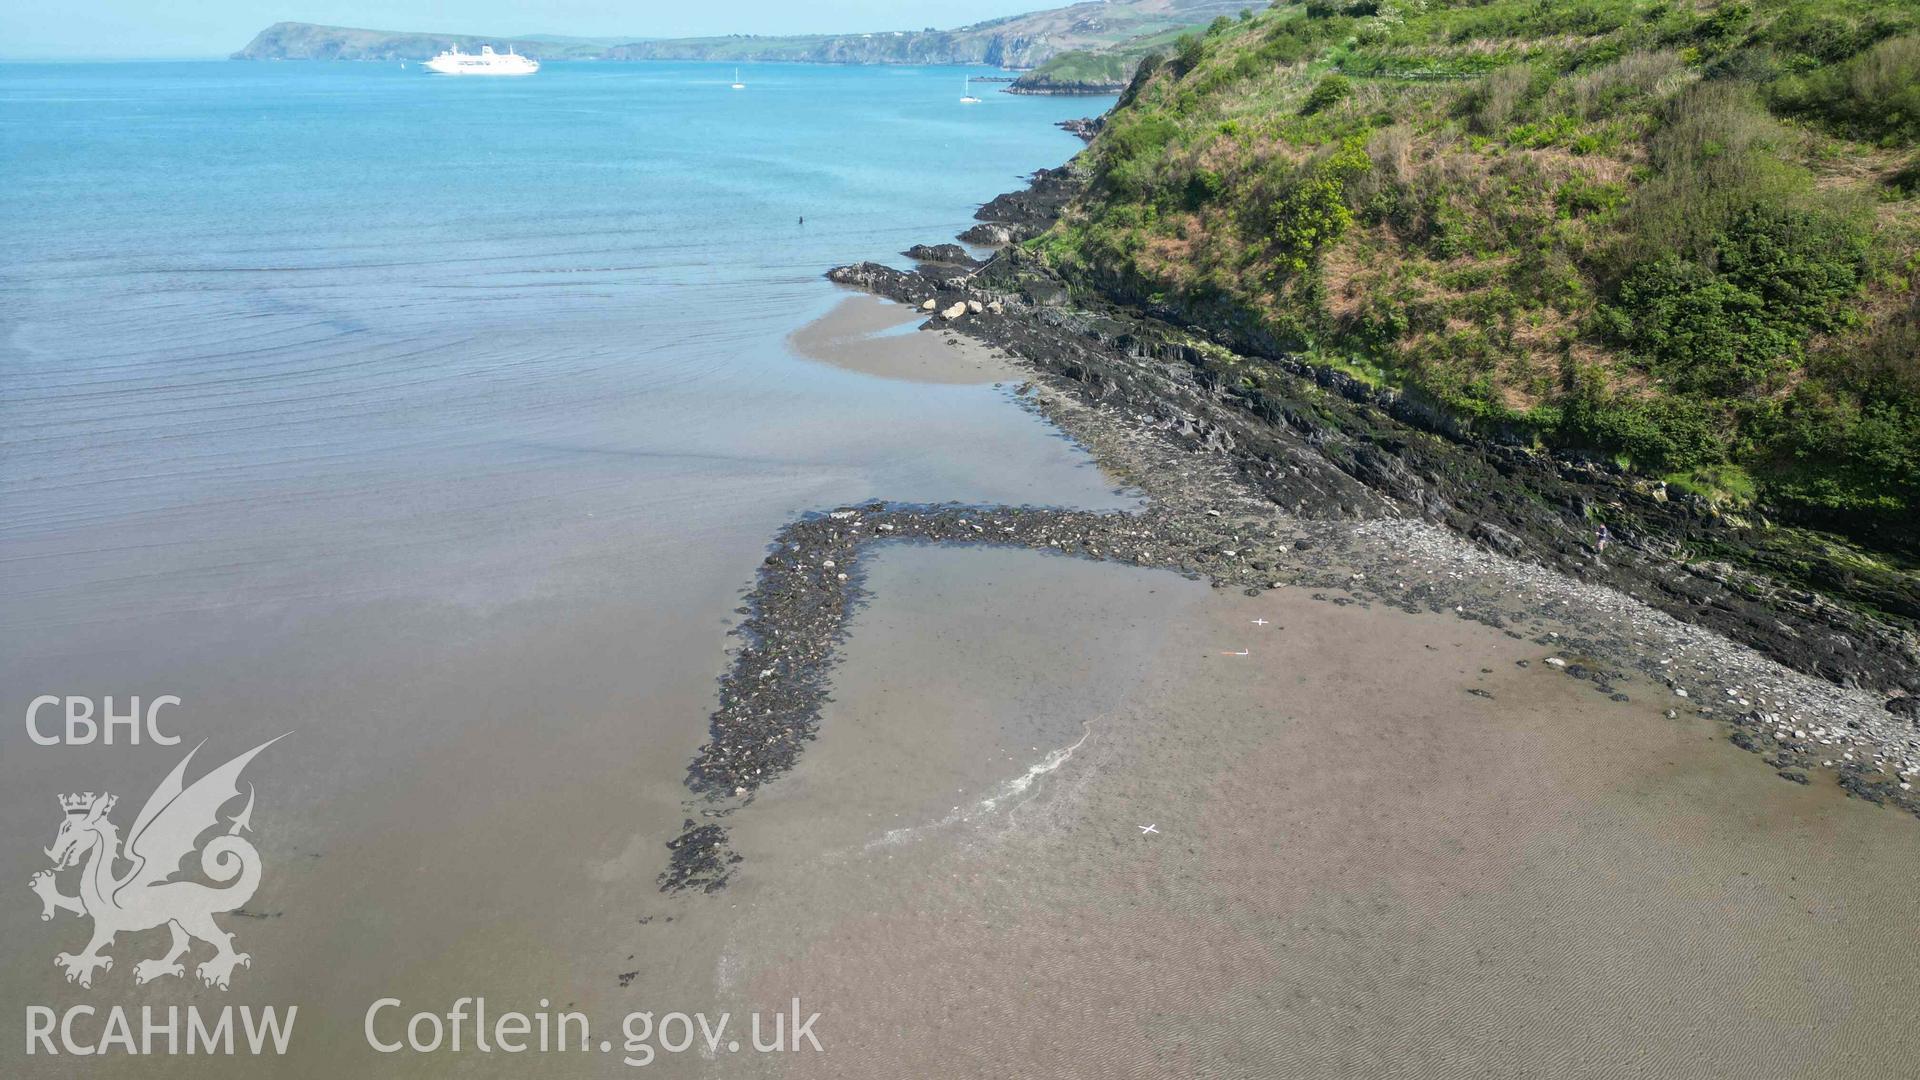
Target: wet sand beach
{"x": 867, "y": 334}
{"x": 1358, "y": 868}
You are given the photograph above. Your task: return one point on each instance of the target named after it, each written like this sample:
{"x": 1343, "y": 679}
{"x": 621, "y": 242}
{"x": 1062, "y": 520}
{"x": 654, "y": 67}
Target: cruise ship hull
{"x": 487, "y": 62}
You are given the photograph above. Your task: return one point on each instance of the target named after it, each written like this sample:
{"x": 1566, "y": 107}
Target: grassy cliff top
{"x": 1682, "y": 234}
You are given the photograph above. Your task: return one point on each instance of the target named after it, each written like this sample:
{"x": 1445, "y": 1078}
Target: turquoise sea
{"x": 265, "y": 325}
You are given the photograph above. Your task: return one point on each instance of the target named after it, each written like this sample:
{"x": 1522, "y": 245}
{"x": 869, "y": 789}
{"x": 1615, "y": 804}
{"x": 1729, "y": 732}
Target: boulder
{"x": 953, "y": 312}
{"x": 950, "y": 254}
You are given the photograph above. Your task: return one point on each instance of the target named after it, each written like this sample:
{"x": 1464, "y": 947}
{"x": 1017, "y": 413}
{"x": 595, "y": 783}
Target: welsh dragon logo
{"x": 142, "y": 898}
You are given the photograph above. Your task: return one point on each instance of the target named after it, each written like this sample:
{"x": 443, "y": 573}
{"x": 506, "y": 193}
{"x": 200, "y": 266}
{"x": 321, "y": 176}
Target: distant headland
{"x": 1018, "y": 41}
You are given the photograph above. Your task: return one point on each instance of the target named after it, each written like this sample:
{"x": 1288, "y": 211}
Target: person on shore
{"x": 1600, "y": 538}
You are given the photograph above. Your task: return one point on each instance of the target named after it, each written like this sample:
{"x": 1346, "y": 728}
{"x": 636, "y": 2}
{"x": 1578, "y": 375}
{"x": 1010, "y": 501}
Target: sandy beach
{"x": 1381, "y": 847}
{"x": 1085, "y": 819}
{"x": 878, "y": 337}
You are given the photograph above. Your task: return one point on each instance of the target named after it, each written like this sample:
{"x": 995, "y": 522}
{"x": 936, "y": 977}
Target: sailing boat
{"x": 966, "y": 92}
{"x": 737, "y": 84}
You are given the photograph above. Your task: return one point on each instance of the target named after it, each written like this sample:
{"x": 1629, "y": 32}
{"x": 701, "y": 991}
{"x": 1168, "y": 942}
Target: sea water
{"x": 441, "y": 423}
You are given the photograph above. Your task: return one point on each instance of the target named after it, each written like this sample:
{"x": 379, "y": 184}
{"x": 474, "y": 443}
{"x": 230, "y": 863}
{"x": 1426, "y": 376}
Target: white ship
{"x": 455, "y": 62}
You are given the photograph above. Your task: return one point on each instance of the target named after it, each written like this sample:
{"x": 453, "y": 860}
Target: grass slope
{"x": 1682, "y": 234}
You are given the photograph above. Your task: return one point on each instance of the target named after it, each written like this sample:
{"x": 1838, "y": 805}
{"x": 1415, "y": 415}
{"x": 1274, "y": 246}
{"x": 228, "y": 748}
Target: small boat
{"x": 455, "y": 62}
{"x": 966, "y": 92}
{"x": 737, "y": 84}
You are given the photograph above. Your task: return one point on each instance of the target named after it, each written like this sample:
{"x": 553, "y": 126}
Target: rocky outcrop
{"x": 945, "y": 254}
{"x": 1069, "y": 88}
{"x": 1084, "y": 128}
{"x": 1020, "y": 215}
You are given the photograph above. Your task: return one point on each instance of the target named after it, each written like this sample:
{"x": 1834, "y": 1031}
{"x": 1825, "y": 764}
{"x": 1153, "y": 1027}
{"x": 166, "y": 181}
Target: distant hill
{"x": 1016, "y": 41}
{"x": 306, "y": 41}
{"x": 1105, "y": 70}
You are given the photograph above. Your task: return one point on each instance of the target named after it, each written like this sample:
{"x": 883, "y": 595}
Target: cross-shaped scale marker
{"x": 1147, "y": 830}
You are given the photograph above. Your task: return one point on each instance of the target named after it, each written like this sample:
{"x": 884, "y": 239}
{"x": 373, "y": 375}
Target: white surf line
{"x": 1012, "y": 789}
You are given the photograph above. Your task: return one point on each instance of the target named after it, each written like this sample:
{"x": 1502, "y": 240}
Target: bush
{"x": 1782, "y": 275}
{"x": 1327, "y": 92}
{"x": 1659, "y": 435}
{"x": 1312, "y": 211}
{"x": 1803, "y": 264}
{"x": 1493, "y": 101}
{"x": 1188, "y": 51}
{"x": 1149, "y": 64}
{"x": 1717, "y": 153}
{"x": 1698, "y": 331}
{"x": 1839, "y": 457}
{"x": 1203, "y": 187}
{"x": 1906, "y": 179}
{"x": 1608, "y": 90}
{"x": 1875, "y": 95}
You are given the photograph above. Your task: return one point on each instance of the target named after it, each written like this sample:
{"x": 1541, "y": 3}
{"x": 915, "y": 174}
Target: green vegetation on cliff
{"x": 1685, "y": 235}
{"x": 1094, "y": 71}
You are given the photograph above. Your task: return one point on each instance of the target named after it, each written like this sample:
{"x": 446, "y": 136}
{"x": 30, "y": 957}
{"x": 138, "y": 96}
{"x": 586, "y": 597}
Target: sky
{"x": 111, "y": 29}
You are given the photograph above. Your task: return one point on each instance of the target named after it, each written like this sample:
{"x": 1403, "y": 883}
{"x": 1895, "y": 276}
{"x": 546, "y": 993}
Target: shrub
{"x": 1803, "y": 264}
{"x": 1783, "y": 274}
{"x": 1838, "y": 457}
{"x": 1149, "y": 64}
{"x": 1700, "y": 332}
{"x": 1625, "y": 82}
{"x": 1203, "y": 187}
{"x": 1327, "y": 92}
{"x": 1328, "y": 9}
{"x": 1875, "y": 95}
{"x": 1188, "y": 51}
{"x": 1726, "y": 25}
{"x": 1312, "y": 211}
{"x": 1716, "y": 154}
{"x": 1293, "y": 40}
{"x": 1906, "y": 179}
{"x": 1493, "y": 101}
{"x": 1660, "y": 434}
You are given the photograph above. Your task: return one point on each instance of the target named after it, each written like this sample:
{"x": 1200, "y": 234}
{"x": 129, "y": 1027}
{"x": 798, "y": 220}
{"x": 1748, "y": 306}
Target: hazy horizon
{"x": 140, "y": 30}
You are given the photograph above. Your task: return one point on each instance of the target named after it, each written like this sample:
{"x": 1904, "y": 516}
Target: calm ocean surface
{"x": 442, "y": 422}
{"x": 262, "y": 322}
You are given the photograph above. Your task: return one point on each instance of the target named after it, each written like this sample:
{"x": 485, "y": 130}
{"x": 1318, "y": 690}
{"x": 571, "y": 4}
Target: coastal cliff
{"x": 1515, "y": 311}
{"x": 1017, "y": 41}
{"x": 1683, "y": 242}
{"x": 1676, "y": 253}
{"x": 307, "y": 41}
